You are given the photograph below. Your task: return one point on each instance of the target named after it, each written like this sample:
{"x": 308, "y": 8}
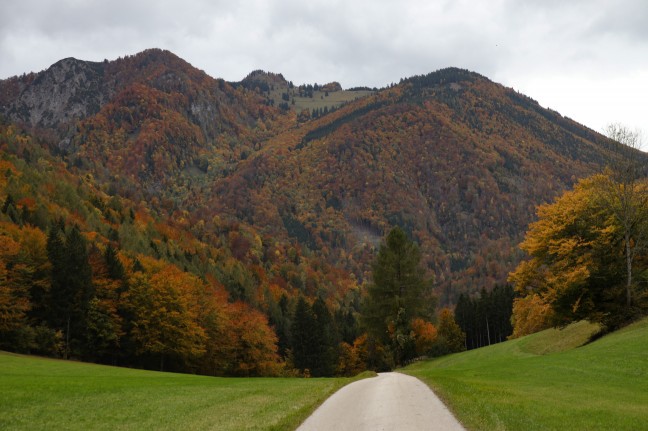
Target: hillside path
{"x": 391, "y": 401}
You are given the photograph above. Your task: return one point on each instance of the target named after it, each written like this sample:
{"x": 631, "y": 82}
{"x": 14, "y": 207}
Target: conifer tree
{"x": 399, "y": 293}
{"x": 71, "y": 288}
{"x": 303, "y": 336}
{"x": 326, "y": 341}
{"x": 59, "y": 296}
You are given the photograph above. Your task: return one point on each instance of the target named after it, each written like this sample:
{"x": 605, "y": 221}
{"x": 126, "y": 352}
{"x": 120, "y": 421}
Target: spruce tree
{"x": 326, "y": 341}
{"x": 71, "y": 289}
{"x": 59, "y": 295}
{"x": 399, "y": 293}
{"x": 303, "y": 331}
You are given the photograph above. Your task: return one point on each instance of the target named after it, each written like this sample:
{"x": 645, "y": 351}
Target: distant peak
{"x": 263, "y": 76}
{"x": 156, "y": 53}
{"x": 446, "y": 76}
{"x": 69, "y": 62}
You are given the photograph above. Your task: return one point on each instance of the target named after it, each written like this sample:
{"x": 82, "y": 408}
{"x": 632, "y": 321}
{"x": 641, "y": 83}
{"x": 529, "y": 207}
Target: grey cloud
{"x": 355, "y": 42}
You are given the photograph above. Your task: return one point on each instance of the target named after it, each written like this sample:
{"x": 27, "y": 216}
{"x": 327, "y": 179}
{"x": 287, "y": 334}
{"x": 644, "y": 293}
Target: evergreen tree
{"x": 347, "y": 326}
{"x": 59, "y": 297}
{"x": 279, "y": 319}
{"x": 465, "y": 314}
{"x": 71, "y": 288}
{"x": 303, "y": 331}
{"x": 502, "y": 300}
{"x": 326, "y": 341}
{"x": 486, "y": 319}
{"x": 77, "y": 269}
{"x": 115, "y": 268}
{"x": 399, "y": 293}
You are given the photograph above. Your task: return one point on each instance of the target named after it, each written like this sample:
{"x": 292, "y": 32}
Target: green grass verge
{"x": 543, "y": 382}
{"x": 39, "y": 394}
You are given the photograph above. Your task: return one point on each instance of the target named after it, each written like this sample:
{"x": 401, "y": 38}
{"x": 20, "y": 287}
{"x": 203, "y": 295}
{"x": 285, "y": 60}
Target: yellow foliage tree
{"x": 576, "y": 263}
{"x": 530, "y": 314}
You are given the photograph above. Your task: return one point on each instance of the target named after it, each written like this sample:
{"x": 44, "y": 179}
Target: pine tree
{"x": 59, "y": 297}
{"x": 71, "y": 289}
{"x": 326, "y": 341}
{"x": 399, "y": 293}
{"x": 115, "y": 268}
{"x": 303, "y": 336}
{"x": 486, "y": 319}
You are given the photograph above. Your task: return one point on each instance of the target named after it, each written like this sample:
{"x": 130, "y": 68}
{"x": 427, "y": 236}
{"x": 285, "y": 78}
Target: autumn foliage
{"x": 577, "y": 266}
{"x": 97, "y": 277}
{"x": 167, "y": 219}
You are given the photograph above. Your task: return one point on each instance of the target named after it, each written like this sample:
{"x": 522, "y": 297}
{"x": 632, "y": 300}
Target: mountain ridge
{"x": 457, "y": 160}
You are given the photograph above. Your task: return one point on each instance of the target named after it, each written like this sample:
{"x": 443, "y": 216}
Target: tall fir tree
{"x": 326, "y": 341}
{"x": 59, "y": 295}
{"x": 399, "y": 293}
{"x": 486, "y": 319}
{"x": 71, "y": 289}
{"x": 304, "y": 341}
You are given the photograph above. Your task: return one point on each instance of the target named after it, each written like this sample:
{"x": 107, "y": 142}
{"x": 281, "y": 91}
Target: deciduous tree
{"x": 578, "y": 256}
{"x": 625, "y": 194}
{"x": 164, "y": 320}
{"x": 451, "y": 338}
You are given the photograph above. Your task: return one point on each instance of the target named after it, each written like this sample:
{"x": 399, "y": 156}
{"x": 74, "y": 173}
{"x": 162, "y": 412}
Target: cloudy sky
{"x": 587, "y": 59}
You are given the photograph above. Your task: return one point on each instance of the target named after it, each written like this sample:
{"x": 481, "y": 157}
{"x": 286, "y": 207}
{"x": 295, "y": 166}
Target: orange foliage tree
{"x": 255, "y": 348}
{"x": 424, "y": 335}
{"x": 164, "y": 314}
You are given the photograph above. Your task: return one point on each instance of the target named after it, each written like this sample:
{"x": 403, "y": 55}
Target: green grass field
{"x": 39, "y": 394}
{"x": 545, "y": 382}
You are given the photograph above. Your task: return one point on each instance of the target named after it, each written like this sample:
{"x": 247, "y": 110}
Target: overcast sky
{"x": 587, "y": 59}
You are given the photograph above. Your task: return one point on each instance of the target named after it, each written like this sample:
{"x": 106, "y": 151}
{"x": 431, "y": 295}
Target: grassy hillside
{"x": 514, "y": 386}
{"x": 321, "y": 99}
{"x": 51, "y": 394}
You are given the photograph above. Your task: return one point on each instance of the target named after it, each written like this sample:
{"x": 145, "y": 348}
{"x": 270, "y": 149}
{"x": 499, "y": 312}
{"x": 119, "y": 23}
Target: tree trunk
{"x": 67, "y": 339}
{"x": 629, "y": 269}
{"x": 488, "y": 331}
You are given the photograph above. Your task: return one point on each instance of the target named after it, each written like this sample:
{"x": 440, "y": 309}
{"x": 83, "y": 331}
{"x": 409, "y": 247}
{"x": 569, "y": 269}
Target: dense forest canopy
{"x": 144, "y": 184}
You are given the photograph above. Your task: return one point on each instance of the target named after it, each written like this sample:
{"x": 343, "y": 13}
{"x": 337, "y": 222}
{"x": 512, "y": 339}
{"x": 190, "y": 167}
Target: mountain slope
{"x": 140, "y": 123}
{"x": 456, "y": 160}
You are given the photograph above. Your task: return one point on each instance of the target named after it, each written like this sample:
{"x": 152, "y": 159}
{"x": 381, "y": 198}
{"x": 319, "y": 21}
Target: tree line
{"x": 63, "y": 295}
{"x": 94, "y": 277}
{"x": 486, "y": 319}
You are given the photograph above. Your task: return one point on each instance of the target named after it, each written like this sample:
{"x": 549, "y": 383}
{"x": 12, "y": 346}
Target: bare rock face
{"x": 69, "y": 90}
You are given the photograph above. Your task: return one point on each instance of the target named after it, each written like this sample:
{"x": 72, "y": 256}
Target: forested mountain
{"x": 100, "y": 277}
{"x": 166, "y": 165}
{"x": 456, "y": 160}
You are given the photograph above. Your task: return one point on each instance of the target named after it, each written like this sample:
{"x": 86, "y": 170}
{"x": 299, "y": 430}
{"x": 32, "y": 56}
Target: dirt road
{"x": 391, "y": 401}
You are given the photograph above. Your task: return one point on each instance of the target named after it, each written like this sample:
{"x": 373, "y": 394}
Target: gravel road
{"x": 391, "y": 401}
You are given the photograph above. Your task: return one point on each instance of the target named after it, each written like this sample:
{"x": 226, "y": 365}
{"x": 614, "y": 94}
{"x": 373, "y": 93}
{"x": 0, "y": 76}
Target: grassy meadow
{"x": 548, "y": 381}
{"x": 320, "y": 99}
{"x": 39, "y": 394}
